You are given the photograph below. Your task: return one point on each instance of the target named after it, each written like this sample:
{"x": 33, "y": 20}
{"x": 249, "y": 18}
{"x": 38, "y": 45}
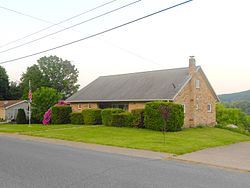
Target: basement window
{"x": 197, "y": 84}
{"x": 209, "y": 108}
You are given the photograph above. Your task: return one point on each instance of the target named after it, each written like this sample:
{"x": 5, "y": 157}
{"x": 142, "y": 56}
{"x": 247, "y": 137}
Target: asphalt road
{"x": 26, "y": 164}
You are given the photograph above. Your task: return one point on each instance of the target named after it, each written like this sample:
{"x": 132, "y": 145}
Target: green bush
{"x": 92, "y": 116}
{"x": 225, "y": 116}
{"x": 123, "y": 119}
{"x": 61, "y": 114}
{"x": 138, "y": 118}
{"x": 153, "y": 118}
{"x": 107, "y": 115}
{"x": 21, "y": 117}
{"x": 76, "y": 118}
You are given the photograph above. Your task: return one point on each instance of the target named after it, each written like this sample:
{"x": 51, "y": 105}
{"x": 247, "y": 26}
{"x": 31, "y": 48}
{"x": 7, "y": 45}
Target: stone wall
{"x": 196, "y": 101}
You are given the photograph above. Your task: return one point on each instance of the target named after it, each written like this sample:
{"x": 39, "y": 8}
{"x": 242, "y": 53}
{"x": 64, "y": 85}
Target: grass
{"x": 185, "y": 141}
{"x": 20, "y": 128}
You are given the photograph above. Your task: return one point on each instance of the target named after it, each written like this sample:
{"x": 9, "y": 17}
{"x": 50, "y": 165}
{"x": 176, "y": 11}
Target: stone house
{"x": 188, "y": 86}
{"x": 9, "y": 109}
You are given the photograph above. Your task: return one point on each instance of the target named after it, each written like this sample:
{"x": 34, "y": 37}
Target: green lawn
{"x": 181, "y": 142}
{"x": 18, "y": 128}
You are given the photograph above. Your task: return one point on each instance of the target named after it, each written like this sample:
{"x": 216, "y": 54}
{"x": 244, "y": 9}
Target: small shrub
{"x": 153, "y": 117}
{"x": 76, "y": 118}
{"x": 107, "y": 115}
{"x": 92, "y": 116}
{"x": 61, "y": 114}
{"x": 123, "y": 119}
{"x": 21, "y": 117}
{"x": 138, "y": 118}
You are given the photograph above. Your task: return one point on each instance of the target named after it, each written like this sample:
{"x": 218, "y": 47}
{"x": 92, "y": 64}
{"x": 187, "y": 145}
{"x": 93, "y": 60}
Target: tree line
{"x": 52, "y": 72}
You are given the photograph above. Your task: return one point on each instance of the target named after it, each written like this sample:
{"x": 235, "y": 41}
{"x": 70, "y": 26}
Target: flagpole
{"x": 29, "y": 105}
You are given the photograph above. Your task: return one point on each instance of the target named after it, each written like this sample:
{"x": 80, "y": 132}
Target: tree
{"x": 4, "y": 83}
{"x": 42, "y": 100}
{"x": 34, "y": 74}
{"x": 15, "y": 91}
{"x": 52, "y": 72}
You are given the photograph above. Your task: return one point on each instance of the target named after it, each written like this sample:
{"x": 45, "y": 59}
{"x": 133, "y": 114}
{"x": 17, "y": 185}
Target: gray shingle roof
{"x": 142, "y": 86}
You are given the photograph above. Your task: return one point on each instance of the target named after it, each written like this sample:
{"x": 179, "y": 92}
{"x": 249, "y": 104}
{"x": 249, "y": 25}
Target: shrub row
{"x": 225, "y": 116}
{"x": 159, "y": 116}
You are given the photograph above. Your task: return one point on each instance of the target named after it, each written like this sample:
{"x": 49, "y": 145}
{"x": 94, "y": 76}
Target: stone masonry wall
{"x": 196, "y": 102}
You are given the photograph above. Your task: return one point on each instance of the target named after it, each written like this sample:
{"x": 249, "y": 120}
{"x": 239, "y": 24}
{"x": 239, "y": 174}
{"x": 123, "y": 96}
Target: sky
{"x": 216, "y": 32}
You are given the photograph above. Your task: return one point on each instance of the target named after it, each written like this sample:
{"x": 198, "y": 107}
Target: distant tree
{"x": 15, "y": 91}
{"x": 52, "y": 72}
{"x": 42, "y": 100}
{"x": 4, "y": 83}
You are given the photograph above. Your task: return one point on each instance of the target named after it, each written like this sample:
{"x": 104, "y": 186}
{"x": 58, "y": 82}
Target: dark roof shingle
{"x": 141, "y": 86}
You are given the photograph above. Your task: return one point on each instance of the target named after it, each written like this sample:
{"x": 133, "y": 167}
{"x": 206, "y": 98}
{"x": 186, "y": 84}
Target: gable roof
{"x": 9, "y": 103}
{"x": 141, "y": 86}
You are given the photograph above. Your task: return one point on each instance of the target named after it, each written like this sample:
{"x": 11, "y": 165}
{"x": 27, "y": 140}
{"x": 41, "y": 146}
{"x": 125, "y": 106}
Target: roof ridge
{"x": 143, "y": 72}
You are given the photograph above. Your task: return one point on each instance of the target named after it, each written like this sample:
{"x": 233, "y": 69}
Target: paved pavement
{"x": 26, "y": 164}
{"x": 235, "y": 156}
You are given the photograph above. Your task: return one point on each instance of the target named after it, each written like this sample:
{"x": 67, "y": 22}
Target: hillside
{"x": 239, "y": 96}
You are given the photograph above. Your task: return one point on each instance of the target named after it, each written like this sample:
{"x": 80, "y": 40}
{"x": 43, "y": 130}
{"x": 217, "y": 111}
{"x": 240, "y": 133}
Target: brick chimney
{"x": 192, "y": 65}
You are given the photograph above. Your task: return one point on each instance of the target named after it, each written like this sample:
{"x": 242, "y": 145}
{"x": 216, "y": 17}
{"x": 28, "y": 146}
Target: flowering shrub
{"x": 47, "y": 115}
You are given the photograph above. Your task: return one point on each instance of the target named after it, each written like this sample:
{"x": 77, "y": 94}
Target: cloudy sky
{"x": 216, "y": 32}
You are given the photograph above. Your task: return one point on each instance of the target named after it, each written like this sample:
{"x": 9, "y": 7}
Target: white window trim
{"x": 197, "y": 84}
{"x": 184, "y": 108}
{"x": 209, "y": 107}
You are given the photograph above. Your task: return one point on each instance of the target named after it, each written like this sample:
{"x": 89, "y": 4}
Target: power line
{"x": 85, "y": 21}
{"x": 99, "y": 33}
{"x": 53, "y": 24}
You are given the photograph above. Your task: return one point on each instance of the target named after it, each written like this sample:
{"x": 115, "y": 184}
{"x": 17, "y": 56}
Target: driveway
{"x": 235, "y": 156}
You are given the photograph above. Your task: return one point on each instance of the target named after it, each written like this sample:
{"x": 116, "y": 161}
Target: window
{"x": 209, "y": 108}
{"x": 79, "y": 106}
{"x": 197, "y": 84}
{"x": 197, "y": 107}
{"x": 184, "y": 108}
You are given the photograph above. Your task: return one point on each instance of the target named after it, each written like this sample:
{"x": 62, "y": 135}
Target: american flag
{"x": 30, "y": 93}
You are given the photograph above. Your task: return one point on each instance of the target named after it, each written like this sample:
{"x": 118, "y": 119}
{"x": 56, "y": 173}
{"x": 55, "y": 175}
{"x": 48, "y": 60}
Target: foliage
{"x": 61, "y": 114}
{"x": 107, "y": 115}
{"x": 242, "y": 105}
{"x": 42, "y": 100}
{"x": 21, "y": 117}
{"x": 33, "y": 74}
{"x": 92, "y": 116}
{"x": 47, "y": 117}
{"x": 225, "y": 116}
{"x": 15, "y": 91}
{"x": 153, "y": 118}
{"x": 51, "y": 72}
{"x": 138, "y": 118}
{"x": 76, "y": 118}
{"x": 239, "y": 96}
{"x": 4, "y": 83}
{"x": 123, "y": 119}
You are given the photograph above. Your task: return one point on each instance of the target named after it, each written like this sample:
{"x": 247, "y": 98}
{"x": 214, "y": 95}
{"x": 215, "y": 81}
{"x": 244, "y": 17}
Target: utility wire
{"x": 85, "y": 21}
{"x": 99, "y": 33}
{"x": 53, "y": 24}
